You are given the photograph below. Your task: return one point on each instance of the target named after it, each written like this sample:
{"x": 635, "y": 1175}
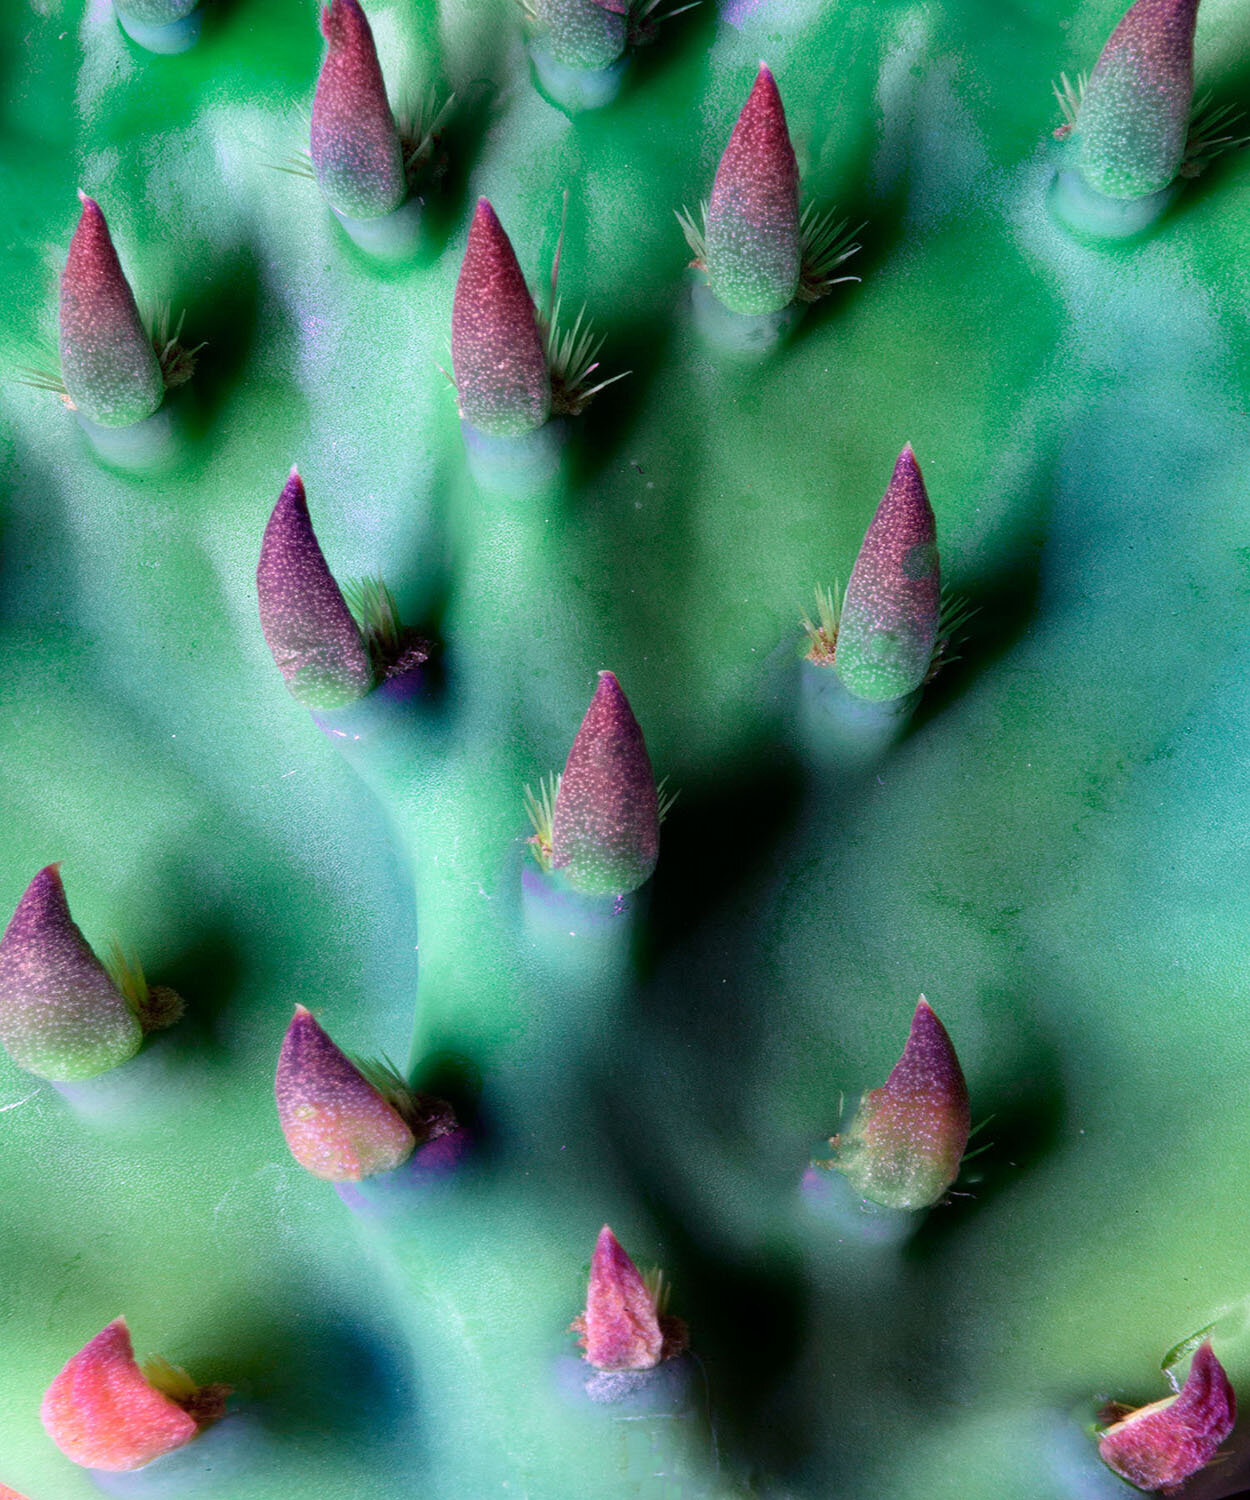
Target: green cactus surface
{"x": 1053, "y": 851}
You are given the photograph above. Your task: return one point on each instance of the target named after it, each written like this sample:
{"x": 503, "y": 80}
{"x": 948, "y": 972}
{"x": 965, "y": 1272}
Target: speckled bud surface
{"x": 103, "y": 1414}
{"x": 752, "y": 227}
{"x": 156, "y": 13}
{"x": 583, "y": 33}
{"x": 1163, "y": 1444}
{"x": 619, "y": 1329}
{"x": 605, "y": 835}
{"x": 315, "y": 642}
{"x": 338, "y": 1126}
{"x": 356, "y": 154}
{"x": 893, "y": 604}
{"x": 61, "y": 1016}
{"x": 108, "y": 363}
{"x": 1134, "y": 116}
{"x": 908, "y": 1137}
{"x": 497, "y": 356}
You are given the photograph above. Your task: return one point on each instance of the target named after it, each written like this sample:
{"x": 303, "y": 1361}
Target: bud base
{"x": 839, "y": 728}
{"x": 515, "y": 465}
{"x": 427, "y": 1171}
{"x": 576, "y": 88}
{"x": 175, "y": 36}
{"x": 393, "y": 236}
{"x": 743, "y": 335}
{"x": 1091, "y": 214}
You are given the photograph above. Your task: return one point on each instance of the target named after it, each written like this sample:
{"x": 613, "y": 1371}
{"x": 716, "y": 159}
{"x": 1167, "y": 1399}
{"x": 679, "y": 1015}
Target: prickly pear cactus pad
{"x": 1051, "y": 848}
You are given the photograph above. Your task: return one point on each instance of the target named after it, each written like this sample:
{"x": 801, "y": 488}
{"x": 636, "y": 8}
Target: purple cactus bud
{"x": 583, "y": 33}
{"x": 310, "y": 630}
{"x": 502, "y": 380}
{"x": 338, "y": 1125}
{"x": 61, "y": 1016}
{"x": 889, "y": 623}
{"x": 1133, "y": 120}
{"x": 1160, "y": 1446}
{"x": 108, "y": 363}
{"x": 605, "y": 832}
{"x": 908, "y": 1137}
{"x": 356, "y": 153}
{"x": 751, "y": 233}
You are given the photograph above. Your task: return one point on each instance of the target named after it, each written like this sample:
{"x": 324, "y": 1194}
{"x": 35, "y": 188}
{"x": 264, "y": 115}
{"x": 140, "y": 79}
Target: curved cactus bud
{"x": 103, "y": 1413}
{"x": 109, "y": 366}
{"x": 605, "y": 829}
{"x": 751, "y": 234}
{"x": 620, "y": 1329}
{"x": 889, "y": 623}
{"x": 338, "y": 1126}
{"x": 502, "y": 380}
{"x": 1159, "y": 1446}
{"x": 583, "y": 33}
{"x": 61, "y": 1016}
{"x": 316, "y": 643}
{"x": 356, "y": 153}
{"x": 1133, "y": 119}
{"x": 908, "y": 1137}
{"x": 157, "y": 13}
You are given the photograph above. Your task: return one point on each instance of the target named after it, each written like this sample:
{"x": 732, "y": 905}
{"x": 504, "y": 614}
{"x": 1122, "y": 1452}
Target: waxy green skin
{"x": 582, "y": 33}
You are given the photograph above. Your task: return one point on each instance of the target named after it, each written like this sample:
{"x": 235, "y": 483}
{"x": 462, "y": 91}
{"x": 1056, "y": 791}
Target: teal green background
{"x": 1057, "y": 855}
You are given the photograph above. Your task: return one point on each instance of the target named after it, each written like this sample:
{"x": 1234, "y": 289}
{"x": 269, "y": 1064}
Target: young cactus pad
{"x": 1160, "y": 1446}
{"x": 315, "y": 642}
{"x": 1133, "y": 119}
{"x": 61, "y": 1016}
{"x": 908, "y": 1137}
{"x": 102, "y": 1412}
{"x": 338, "y": 1126}
{"x": 892, "y": 607}
{"x": 620, "y": 1329}
{"x": 502, "y": 380}
{"x": 605, "y": 832}
{"x": 355, "y": 148}
{"x": 110, "y": 369}
{"x": 582, "y": 33}
{"x": 752, "y": 241}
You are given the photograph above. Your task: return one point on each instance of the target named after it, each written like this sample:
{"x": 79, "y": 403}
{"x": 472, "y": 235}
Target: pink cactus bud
{"x": 7, "y": 1494}
{"x": 502, "y": 379}
{"x": 620, "y": 1328}
{"x": 1161, "y": 1445}
{"x": 338, "y": 1125}
{"x": 908, "y": 1137}
{"x": 102, "y": 1413}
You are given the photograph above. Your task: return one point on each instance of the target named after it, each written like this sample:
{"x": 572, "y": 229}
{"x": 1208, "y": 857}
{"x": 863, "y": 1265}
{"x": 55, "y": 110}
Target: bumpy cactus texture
{"x": 158, "y": 12}
{"x": 1162, "y": 1445}
{"x": 582, "y": 33}
{"x": 355, "y": 147}
{"x": 752, "y": 226}
{"x": 108, "y": 363}
{"x": 1054, "y": 853}
{"x": 892, "y": 607}
{"x": 102, "y": 1413}
{"x": 1134, "y": 115}
{"x": 61, "y": 1016}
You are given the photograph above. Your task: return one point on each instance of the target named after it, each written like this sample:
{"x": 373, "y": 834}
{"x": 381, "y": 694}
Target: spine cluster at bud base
{"x": 622, "y": 1329}
{"x": 588, "y": 34}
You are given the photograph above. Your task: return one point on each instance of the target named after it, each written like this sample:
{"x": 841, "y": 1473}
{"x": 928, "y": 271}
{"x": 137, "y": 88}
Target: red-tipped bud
{"x": 338, "y": 1125}
{"x": 620, "y": 1328}
{"x": 1159, "y": 1446}
{"x": 908, "y": 1137}
{"x": 103, "y": 1413}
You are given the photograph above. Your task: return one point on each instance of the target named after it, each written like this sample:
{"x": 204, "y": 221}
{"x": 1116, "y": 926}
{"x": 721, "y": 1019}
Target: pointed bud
{"x": 102, "y": 1413}
{"x": 751, "y": 231}
{"x": 497, "y": 352}
{"x": 605, "y": 832}
{"x": 1161, "y": 1445}
{"x": 583, "y": 33}
{"x": 108, "y": 363}
{"x": 620, "y": 1328}
{"x": 1133, "y": 120}
{"x": 908, "y": 1137}
{"x": 356, "y": 153}
{"x": 61, "y": 1016}
{"x": 893, "y": 605}
{"x": 338, "y": 1126}
{"x": 310, "y": 630}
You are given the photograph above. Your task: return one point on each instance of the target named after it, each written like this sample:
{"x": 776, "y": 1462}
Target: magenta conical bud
{"x": 751, "y": 232}
{"x": 620, "y": 1328}
{"x": 108, "y": 363}
{"x": 497, "y": 355}
{"x": 893, "y": 605}
{"x": 316, "y": 643}
{"x": 605, "y": 833}
{"x": 356, "y": 153}
{"x": 338, "y": 1126}
{"x": 908, "y": 1137}
{"x": 61, "y": 1016}
{"x": 1160, "y": 1446}
{"x": 1133, "y": 121}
